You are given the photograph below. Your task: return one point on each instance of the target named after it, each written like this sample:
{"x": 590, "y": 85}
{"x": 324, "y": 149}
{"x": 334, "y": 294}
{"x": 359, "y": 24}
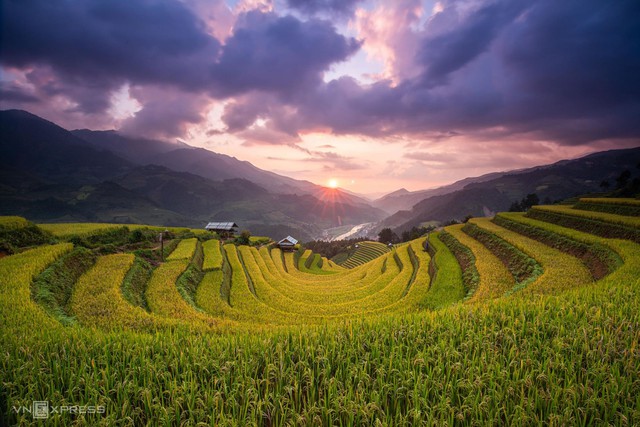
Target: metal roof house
{"x": 224, "y": 229}
{"x": 288, "y": 243}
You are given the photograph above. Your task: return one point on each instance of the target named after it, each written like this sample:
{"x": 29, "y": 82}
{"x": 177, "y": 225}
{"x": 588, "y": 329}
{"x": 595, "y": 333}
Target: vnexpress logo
{"x": 40, "y": 410}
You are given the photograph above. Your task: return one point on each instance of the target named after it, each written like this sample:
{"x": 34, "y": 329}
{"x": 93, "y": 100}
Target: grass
{"x": 164, "y": 299}
{"x": 600, "y": 259}
{"x": 612, "y": 201}
{"x": 185, "y": 250}
{"x": 97, "y": 300}
{"x": 135, "y": 282}
{"x": 560, "y": 271}
{"x": 86, "y": 229}
{"x": 446, "y": 277}
{"x": 399, "y": 348}
{"x": 523, "y": 267}
{"x": 313, "y": 263}
{"x": 52, "y": 288}
{"x": 13, "y": 222}
{"x": 212, "y": 255}
{"x": 365, "y": 252}
{"x": 494, "y": 278}
{"x": 598, "y": 223}
{"x": 630, "y": 207}
{"x": 17, "y": 234}
{"x": 464, "y": 255}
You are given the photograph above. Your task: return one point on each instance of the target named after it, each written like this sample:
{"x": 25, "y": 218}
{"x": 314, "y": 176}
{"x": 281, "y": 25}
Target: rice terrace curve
{"x": 520, "y": 319}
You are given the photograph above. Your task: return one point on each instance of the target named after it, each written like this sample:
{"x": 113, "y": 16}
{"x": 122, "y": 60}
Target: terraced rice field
{"x": 365, "y": 252}
{"x": 84, "y": 229}
{"x": 519, "y": 319}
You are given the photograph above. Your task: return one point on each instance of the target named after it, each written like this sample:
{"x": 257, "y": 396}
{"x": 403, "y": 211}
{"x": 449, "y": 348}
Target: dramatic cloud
{"x": 165, "y": 114}
{"x": 388, "y": 31}
{"x": 543, "y": 70}
{"x": 467, "y": 35}
{"x": 106, "y": 43}
{"x": 278, "y": 54}
{"x": 472, "y": 75}
{"x": 150, "y": 44}
{"x": 16, "y": 94}
{"x": 331, "y": 7}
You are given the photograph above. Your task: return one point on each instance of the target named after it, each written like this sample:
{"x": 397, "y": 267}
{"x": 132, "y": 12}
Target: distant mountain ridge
{"x": 483, "y": 197}
{"x": 403, "y": 199}
{"x": 185, "y": 158}
{"x": 51, "y": 174}
{"x": 31, "y": 144}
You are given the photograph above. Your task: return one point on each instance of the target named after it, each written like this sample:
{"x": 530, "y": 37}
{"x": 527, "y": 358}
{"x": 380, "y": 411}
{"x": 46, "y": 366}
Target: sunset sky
{"x": 376, "y": 95}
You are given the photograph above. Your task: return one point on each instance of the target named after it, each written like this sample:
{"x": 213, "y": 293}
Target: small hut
{"x": 224, "y": 229}
{"x": 287, "y": 244}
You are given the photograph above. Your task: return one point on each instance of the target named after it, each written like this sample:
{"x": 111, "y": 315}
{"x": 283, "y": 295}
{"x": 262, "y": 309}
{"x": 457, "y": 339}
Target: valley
{"x": 54, "y": 175}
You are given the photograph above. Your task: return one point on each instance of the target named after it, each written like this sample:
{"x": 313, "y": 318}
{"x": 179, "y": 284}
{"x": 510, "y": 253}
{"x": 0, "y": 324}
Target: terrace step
{"x": 598, "y": 258}
{"x": 626, "y": 207}
{"x": 560, "y": 271}
{"x": 599, "y": 223}
{"x": 97, "y": 300}
{"x": 494, "y": 278}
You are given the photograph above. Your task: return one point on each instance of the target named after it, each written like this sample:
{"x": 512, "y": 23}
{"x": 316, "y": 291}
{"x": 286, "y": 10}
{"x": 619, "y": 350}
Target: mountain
{"x": 102, "y": 202}
{"x": 403, "y": 199}
{"x": 182, "y": 157}
{"x": 186, "y": 193}
{"x": 135, "y": 150}
{"x": 563, "y": 179}
{"x": 51, "y": 174}
{"x": 36, "y": 146}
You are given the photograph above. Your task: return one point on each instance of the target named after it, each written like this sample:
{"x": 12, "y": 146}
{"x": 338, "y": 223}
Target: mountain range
{"x": 485, "y": 195}
{"x": 50, "y": 174}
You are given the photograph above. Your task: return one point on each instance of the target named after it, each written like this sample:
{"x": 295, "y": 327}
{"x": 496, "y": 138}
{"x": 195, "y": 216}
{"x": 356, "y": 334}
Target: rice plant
{"x": 389, "y": 342}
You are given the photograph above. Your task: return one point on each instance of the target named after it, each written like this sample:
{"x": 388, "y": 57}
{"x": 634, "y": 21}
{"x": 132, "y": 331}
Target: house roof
{"x": 225, "y": 226}
{"x": 288, "y": 239}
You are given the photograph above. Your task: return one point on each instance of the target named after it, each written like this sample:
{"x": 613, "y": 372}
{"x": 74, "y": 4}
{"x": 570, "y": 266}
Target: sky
{"x": 375, "y": 95}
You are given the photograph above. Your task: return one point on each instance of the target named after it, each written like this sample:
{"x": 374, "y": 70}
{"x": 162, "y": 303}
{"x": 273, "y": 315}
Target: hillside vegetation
{"x": 522, "y": 319}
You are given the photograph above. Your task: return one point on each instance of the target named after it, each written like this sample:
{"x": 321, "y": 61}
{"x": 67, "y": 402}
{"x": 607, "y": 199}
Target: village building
{"x": 287, "y": 244}
{"x": 224, "y": 229}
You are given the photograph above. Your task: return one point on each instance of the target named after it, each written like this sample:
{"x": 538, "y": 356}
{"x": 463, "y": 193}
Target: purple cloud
{"x": 160, "y": 44}
{"x": 165, "y": 114}
{"x": 536, "y": 70}
{"x": 278, "y": 54}
{"x": 106, "y": 43}
{"x": 338, "y": 8}
{"x": 506, "y": 69}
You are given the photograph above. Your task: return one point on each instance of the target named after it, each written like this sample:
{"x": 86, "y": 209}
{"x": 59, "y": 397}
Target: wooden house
{"x": 287, "y": 244}
{"x": 224, "y": 229}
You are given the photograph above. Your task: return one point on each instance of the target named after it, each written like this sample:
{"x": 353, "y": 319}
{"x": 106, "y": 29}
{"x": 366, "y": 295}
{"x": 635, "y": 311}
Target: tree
{"x": 387, "y": 236}
{"x": 415, "y": 233}
{"x": 531, "y": 200}
{"x": 524, "y": 204}
{"x": 623, "y": 179}
{"x": 605, "y": 185}
{"x": 515, "y": 207}
{"x": 244, "y": 238}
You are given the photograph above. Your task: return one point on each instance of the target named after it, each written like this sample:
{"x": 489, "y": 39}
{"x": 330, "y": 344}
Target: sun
{"x": 333, "y": 183}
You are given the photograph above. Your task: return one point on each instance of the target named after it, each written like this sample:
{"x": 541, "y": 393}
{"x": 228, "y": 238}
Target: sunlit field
{"x": 511, "y": 320}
